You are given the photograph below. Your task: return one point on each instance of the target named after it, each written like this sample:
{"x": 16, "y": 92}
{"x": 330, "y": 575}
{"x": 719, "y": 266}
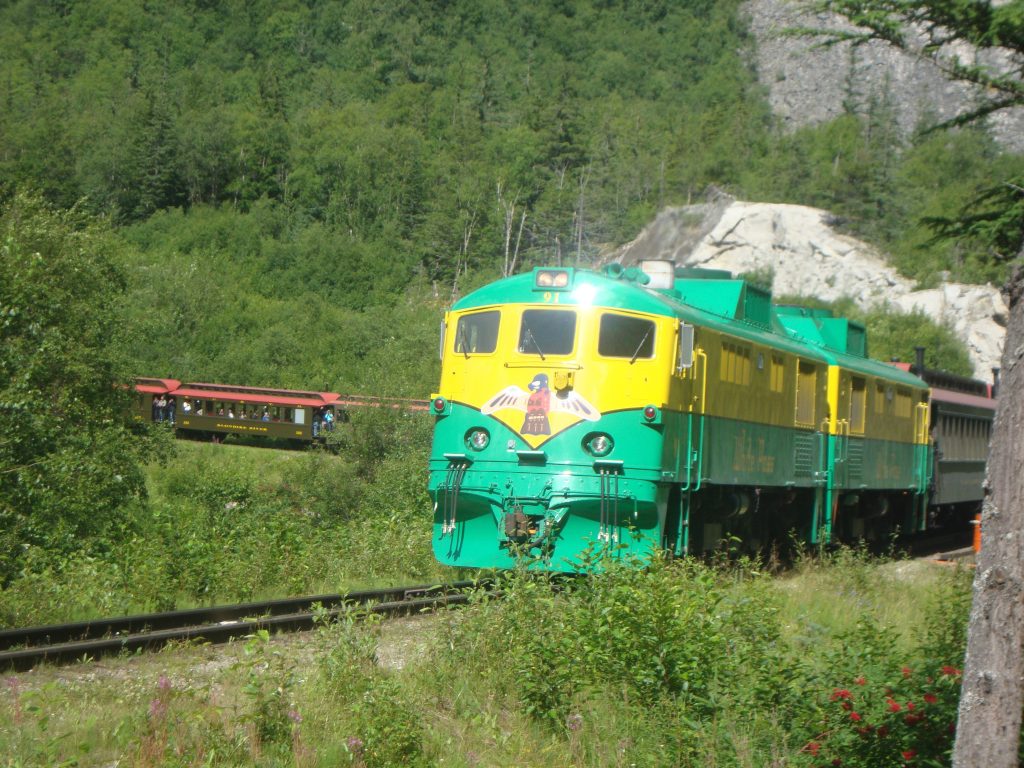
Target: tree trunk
{"x": 988, "y": 727}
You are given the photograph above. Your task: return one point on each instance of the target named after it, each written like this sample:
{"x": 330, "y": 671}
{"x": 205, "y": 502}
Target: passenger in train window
{"x": 169, "y": 409}
{"x": 186, "y": 407}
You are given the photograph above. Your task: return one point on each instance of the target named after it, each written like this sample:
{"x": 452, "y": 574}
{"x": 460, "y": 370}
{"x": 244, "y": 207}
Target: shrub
{"x": 905, "y": 717}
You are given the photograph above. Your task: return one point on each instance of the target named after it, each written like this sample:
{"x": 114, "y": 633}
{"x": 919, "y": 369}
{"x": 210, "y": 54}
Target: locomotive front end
{"x": 548, "y": 440}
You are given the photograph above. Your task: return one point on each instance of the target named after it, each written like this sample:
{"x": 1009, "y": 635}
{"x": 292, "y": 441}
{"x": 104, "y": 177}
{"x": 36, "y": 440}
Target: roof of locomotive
{"x": 586, "y": 288}
{"x": 711, "y": 299}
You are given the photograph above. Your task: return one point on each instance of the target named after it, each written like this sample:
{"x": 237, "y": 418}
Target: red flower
{"x": 864, "y": 730}
{"x": 950, "y": 671}
{"x": 913, "y": 719}
{"x": 931, "y": 698}
{"x": 813, "y": 747}
{"x": 837, "y": 762}
{"x": 840, "y": 693}
{"x": 847, "y": 705}
{"x": 909, "y": 754}
{"x": 911, "y": 706}
{"x": 860, "y": 680}
{"x": 855, "y": 717}
{"x": 883, "y": 731}
{"x": 893, "y": 705}
{"x": 905, "y": 671}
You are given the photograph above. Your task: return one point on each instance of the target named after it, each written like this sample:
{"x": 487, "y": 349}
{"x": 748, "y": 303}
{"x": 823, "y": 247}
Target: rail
{"x": 22, "y": 649}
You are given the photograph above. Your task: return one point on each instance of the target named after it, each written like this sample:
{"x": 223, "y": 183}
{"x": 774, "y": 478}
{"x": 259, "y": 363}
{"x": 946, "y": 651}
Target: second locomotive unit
{"x": 662, "y": 408}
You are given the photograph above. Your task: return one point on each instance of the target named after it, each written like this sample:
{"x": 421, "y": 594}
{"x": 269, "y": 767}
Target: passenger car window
{"x": 547, "y": 332}
{"x": 477, "y": 333}
{"x": 624, "y": 336}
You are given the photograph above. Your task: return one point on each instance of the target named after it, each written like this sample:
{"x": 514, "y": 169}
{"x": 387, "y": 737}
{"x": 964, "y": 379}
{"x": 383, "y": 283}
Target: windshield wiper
{"x": 461, "y": 333}
{"x": 529, "y": 337}
{"x": 639, "y": 347}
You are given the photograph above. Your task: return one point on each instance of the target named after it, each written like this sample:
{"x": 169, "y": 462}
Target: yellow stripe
{"x": 606, "y": 384}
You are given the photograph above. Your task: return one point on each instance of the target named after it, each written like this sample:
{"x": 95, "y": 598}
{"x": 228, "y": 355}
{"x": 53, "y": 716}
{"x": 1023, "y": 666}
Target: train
{"x": 629, "y": 412}
{"x": 215, "y": 411}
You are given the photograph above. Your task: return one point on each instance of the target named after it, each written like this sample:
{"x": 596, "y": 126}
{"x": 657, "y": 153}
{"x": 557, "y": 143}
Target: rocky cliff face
{"x": 805, "y": 256}
{"x": 808, "y": 84}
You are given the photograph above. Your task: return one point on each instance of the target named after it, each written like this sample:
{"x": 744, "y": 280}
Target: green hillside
{"x": 283, "y": 175}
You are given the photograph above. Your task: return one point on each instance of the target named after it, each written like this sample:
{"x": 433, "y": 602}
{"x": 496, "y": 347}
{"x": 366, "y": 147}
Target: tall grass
{"x": 224, "y": 523}
{"x": 678, "y": 665}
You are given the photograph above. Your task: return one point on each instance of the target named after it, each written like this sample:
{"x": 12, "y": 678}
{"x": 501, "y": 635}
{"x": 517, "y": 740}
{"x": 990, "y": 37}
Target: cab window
{"x": 547, "y": 332}
{"x": 624, "y": 336}
{"x": 477, "y": 333}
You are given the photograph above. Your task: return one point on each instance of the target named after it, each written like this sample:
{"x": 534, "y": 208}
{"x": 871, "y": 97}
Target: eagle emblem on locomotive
{"x": 537, "y": 403}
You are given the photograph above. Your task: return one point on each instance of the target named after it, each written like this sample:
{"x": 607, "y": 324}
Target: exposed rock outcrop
{"x": 805, "y": 256}
{"x": 809, "y": 84}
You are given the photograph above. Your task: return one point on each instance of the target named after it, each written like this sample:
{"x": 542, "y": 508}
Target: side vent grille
{"x": 803, "y": 455}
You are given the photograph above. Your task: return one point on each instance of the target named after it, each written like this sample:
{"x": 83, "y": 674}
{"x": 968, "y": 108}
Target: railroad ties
{"x": 22, "y": 649}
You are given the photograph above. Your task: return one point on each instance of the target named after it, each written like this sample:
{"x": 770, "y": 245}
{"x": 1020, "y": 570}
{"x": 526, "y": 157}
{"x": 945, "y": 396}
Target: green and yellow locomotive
{"x": 661, "y": 408}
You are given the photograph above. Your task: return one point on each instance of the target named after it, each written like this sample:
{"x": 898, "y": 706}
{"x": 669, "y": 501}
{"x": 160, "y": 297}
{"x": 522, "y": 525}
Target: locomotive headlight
{"x": 599, "y": 444}
{"x": 477, "y": 439}
{"x": 552, "y": 278}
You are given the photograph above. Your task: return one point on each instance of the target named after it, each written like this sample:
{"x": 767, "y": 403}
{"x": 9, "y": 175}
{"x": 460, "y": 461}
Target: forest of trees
{"x": 291, "y": 178}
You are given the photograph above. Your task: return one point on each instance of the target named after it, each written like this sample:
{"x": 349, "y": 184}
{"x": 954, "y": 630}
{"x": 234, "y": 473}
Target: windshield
{"x": 624, "y": 336}
{"x": 477, "y": 333}
{"x": 547, "y": 332}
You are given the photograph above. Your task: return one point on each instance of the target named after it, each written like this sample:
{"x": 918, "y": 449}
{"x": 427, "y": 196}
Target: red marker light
{"x": 439, "y": 404}
{"x": 650, "y": 412}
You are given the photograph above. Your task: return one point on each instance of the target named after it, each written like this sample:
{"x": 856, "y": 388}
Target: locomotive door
{"x": 840, "y": 427}
{"x": 689, "y": 390}
{"x": 922, "y": 465}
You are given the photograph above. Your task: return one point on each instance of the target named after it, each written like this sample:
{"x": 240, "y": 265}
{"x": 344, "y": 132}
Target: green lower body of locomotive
{"x": 555, "y": 508}
{"x": 681, "y": 484}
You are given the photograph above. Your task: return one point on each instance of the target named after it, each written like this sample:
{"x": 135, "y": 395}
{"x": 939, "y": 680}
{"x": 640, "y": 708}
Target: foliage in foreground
{"x": 679, "y": 665}
{"x": 69, "y": 467}
{"x": 224, "y": 523}
{"x": 684, "y": 665}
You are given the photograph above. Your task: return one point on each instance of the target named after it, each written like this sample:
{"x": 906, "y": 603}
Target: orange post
{"x": 976, "y": 522}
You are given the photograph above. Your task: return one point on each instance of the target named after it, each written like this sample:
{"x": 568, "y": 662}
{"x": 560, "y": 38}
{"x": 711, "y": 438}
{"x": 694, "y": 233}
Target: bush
{"x": 670, "y": 636}
{"x": 381, "y": 727}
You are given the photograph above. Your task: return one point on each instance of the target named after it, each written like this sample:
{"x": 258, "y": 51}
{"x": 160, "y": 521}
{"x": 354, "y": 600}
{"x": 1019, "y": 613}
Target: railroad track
{"x": 946, "y": 545}
{"x": 22, "y": 649}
